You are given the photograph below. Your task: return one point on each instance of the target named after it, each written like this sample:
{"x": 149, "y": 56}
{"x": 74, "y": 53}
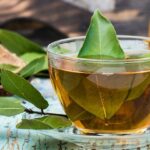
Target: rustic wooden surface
{"x": 129, "y": 17}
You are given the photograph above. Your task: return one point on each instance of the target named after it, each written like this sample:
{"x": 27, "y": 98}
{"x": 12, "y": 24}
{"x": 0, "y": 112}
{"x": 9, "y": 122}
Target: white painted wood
{"x": 91, "y": 5}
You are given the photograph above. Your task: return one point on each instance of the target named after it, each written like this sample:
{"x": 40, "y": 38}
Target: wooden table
{"x": 129, "y": 17}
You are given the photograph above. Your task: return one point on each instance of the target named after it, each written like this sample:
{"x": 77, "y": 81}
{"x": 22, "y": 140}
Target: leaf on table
{"x": 32, "y": 124}
{"x": 8, "y": 67}
{"x": 46, "y": 122}
{"x": 17, "y": 43}
{"x": 19, "y": 50}
{"x": 10, "y": 106}
{"x": 30, "y": 56}
{"x": 35, "y": 66}
{"x": 56, "y": 121}
{"x": 9, "y": 58}
{"x": 21, "y": 87}
{"x": 101, "y": 40}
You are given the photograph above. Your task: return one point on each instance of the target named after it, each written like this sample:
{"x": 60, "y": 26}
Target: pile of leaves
{"x": 18, "y": 83}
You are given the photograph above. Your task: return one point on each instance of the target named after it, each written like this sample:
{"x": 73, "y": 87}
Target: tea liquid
{"x": 105, "y": 103}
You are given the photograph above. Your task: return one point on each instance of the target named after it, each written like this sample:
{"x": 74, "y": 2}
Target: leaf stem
{"x": 42, "y": 111}
{"x": 30, "y": 111}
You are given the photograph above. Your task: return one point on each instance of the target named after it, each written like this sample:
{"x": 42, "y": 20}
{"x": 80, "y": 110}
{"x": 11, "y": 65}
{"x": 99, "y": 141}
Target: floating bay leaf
{"x": 101, "y": 40}
{"x": 10, "y": 106}
{"x": 21, "y": 87}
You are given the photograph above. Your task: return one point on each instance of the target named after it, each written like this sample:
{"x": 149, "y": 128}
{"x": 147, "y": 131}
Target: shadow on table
{"x": 33, "y": 29}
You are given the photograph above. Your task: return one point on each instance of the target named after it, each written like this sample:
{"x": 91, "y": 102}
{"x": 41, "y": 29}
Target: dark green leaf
{"x": 7, "y": 67}
{"x": 46, "y": 122}
{"x": 101, "y": 40}
{"x": 10, "y": 106}
{"x": 17, "y": 43}
{"x": 21, "y": 87}
{"x": 35, "y": 66}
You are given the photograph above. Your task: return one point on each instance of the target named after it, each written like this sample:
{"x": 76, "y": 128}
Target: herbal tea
{"x": 104, "y": 102}
{"x": 103, "y": 80}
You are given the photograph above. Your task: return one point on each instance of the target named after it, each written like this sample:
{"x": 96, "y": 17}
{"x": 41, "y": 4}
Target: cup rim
{"x": 61, "y": 56}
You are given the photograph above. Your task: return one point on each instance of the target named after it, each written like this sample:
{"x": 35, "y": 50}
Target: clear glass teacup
{"x": 103, "y": 95}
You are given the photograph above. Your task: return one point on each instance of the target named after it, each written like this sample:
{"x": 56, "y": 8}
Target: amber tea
{"x": 105, "y": 102}
{"x": 104, "y": 96}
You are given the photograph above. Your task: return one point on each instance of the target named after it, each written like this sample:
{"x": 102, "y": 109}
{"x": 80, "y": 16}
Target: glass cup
{"x": 103, "y": 95}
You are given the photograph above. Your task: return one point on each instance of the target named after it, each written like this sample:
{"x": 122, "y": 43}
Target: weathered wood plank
{"x": 130, "y": 16}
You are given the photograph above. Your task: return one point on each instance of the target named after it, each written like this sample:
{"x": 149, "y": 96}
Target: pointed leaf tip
{"x": 19, "y": 86}
{"x": 101, "y": 40}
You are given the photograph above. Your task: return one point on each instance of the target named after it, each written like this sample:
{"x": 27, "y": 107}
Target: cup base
{"x": 115, "y": 132}
{"x": 102, "y": 141}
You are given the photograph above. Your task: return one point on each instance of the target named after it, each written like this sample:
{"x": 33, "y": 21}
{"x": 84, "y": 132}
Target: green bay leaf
{"x": 18, "y": 44}
{"x": 30, "y": 56}
{"x": 101, "y": 40}
{"x": 19, "y": 86}
{"x": 8, "y": 67}
{"x": 46, "y": 122}
{"x": 10, "y": 106}
{"x": 24, "y": 48}
{"x": 32, "y": 124}
{"x": 35, "y": 66}
{"x": 55, "y": 121}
